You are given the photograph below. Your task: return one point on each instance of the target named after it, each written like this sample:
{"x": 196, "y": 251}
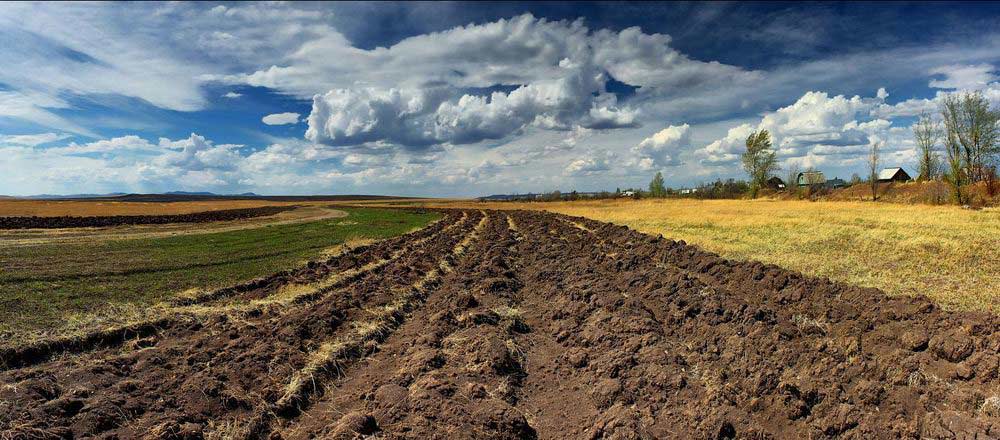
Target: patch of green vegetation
{"x": 40, "y": 285}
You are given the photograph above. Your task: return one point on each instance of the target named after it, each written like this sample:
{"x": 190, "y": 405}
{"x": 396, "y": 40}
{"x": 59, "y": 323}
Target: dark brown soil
{"x": 523, "y": 325}
{"x": 118, "y": 220}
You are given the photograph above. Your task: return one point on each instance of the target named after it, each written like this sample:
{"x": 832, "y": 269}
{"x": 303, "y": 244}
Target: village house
{"x": 808, "y": 178}
{"x": 835, "y": 183}
{"x": 893, "y": 175}
{"x": 775, "y": 183}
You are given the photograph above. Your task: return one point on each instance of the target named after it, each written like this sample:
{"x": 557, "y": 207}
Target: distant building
{"x": 835, "y": 183}
{"x": 628, "y": 193}
{"x": 893, "y": 175}
{"x": 775, "y": 183}
{"x": 809, "y": 178}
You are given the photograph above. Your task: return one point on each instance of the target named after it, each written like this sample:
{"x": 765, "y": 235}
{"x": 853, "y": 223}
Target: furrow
{"x": 224, "y": 365}
{"x": 326, "y": 362}
{"x": 454, "y": 368}
{"x": 193, "y": 309}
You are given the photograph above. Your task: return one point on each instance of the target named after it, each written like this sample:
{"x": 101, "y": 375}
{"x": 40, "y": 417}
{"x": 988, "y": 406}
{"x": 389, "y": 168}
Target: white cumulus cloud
{"x": 963, "y": 76}
{"x": 815, "y": 125}
{"x": 281, "y": 118}
{"x": 662, "y": 148}
{"x": 592, "y": 163}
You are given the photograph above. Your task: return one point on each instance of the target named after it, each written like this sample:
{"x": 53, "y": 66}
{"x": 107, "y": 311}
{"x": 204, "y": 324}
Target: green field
{"x": 55, "y": 285}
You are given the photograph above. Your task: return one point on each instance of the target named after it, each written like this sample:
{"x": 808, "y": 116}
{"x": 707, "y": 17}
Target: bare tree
{"x": 792, "y": 184}
{"x": 927, "y": 134}
{"x": 972, "y": 125}
{"x": 955, "y": 170}
{"x": 873, "y": 164}
{"x": 759, "y": 160}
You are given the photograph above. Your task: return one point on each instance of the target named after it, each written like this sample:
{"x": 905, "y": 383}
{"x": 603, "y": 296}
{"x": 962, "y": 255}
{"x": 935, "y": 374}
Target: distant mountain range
{"x": 70, "y": 196}
{"x": 119, "y": 194}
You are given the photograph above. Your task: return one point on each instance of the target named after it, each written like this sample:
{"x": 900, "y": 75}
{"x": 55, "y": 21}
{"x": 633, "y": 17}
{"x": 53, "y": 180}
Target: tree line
{"x": 968, "y": 130}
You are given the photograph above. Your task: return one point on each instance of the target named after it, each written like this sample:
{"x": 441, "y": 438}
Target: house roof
{"x": 810, "y": 177}
{"x": 887, "y": 173}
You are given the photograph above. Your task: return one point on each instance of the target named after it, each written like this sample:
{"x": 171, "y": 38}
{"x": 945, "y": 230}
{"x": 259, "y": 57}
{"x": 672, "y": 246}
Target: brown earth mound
{"x": 118, "y": 220}
{"x": 524, "y": 325}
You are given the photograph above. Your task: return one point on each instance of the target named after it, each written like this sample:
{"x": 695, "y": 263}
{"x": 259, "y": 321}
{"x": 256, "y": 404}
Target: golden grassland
{"x": 950, "y": 254}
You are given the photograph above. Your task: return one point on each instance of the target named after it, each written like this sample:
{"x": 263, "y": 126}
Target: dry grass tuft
{"x": 511, "y": 319}
{"x": 991, "y": 407}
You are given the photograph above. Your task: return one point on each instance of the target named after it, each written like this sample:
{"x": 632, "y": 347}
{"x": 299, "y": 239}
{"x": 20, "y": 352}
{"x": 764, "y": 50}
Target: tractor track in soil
{"x": 514, "y": 324}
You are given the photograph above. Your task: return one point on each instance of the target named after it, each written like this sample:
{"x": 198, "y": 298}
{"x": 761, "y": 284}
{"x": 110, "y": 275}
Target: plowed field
{"x": 518, "y": 324}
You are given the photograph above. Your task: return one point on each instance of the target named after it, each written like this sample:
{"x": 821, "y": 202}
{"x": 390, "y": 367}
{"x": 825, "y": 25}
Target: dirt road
{"x": 521, "y": 325}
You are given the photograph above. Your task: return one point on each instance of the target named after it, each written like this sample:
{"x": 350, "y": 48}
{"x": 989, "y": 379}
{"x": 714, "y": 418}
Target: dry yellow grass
{"x": 950, "y": 254}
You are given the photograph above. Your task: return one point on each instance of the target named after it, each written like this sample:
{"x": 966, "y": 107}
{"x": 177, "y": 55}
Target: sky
{"x": 467, "y": 99}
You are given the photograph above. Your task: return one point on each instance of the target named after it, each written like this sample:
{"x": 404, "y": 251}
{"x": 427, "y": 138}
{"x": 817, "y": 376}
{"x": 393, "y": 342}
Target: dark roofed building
{"x": 893, "y": 175}
{"x": 808, "y": 178}
{"x": 775, "y": 183}
{"x": 836, "y": 183}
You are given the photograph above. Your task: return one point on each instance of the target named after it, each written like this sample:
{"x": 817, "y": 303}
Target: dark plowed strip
{"x": 548, "y": 327}
{"x": 119, "y": 220}
{"x": 199, "y": 372}
{"x": 336, "y": 355}
{"x": 673, "y": 342}
{"x": 32, "y": 354}
{"x": 20, "y": 357}
{"x": 316, "y": 270}
{"x": 454, "y": 369}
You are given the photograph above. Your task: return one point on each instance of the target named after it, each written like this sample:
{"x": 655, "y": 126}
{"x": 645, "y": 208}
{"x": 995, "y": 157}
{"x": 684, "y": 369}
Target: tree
{"x": 855, "y": 179}
{"x": 954, "y": 173}
{"x": 759, "y": 160}
{"x": 972, "y": 127}
{"x": 792, "y": 184}
{"x": 927, "y": 133}
{"x": 873, "y": 163}
{"x": 656, "y": 188}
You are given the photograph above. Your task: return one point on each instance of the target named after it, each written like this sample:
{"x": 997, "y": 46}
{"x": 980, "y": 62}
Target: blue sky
{"x": 454, "y": 99}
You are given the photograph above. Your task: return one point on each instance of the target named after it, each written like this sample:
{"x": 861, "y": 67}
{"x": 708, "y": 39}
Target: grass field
{"x": 950, "y": 254}
{"x": 48, "y": 285}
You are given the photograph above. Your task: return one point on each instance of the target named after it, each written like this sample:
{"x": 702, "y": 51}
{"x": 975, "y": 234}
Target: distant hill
{"x": 174, "y": 197}
{"x": 71, "y": 196}
{"x": 188, "y": 193}
{"x": 182, "y": 196}
{"x": 206, "y": 193}
{"x": 169, "y": 194}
